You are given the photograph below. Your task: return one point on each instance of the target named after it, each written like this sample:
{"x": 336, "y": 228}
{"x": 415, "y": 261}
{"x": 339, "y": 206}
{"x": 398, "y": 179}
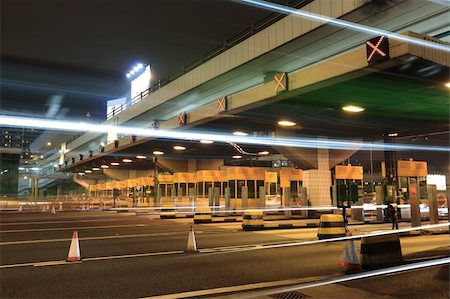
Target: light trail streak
{"x": 373, "y": 273}
{"x": 27, "y": 122}
{"x": 345, "y": 24}
{"x": 313, "y": 242}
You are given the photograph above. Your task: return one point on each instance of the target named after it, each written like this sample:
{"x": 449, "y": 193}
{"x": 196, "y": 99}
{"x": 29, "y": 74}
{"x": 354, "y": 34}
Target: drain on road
{"x": 290, "y": 295}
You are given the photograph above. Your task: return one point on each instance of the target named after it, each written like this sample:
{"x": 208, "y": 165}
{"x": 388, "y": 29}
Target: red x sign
{"x": 181, "y": 118}
{"x": 222, "y": 104}
{"x": 280, "y": 82}
{"x": 377, "y": 49}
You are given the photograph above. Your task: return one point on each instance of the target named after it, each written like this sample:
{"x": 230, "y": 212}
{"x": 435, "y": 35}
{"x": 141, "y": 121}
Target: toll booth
{"x": 271, "y": 189}
{"x": 293, "y": 179}
{"x": 211, "y": 186}
{"x": 183, "y": 182}
{"x": 348, "y": 189}
{"x": 146, "y": 190}
{"x": 244, "y": 184}
{"x": 166, "y": 191}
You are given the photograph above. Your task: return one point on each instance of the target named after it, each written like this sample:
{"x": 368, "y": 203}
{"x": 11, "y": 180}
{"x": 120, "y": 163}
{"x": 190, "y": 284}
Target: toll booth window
{"x": 162, "y": 189}
{"x": 183, "y": 189}
{"x": 218, "y": 185}
{"x": 240, "y": 184}
{"x": 273, "y": 188}
{"x": 251, "y": 188}
{"x": 176, "y": 187}
{"x": 191, "y": 186}
{"x": 200, "y": 189}
{"x": 258, "y": 185}
{"x": 169, "y": 189}
{"x": 207, "y": 186}
{"x": 294, "y": 189}
{"x": 232, "y": 189}
{"x": 224, "y": 186}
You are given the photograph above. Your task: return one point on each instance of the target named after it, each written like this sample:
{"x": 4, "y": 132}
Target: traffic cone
{"x": 53, "y": 210}
{"x": 20, "y": 208}
{"x": 74, "y": 250}
{"x": 349, "y": 260}
{"x": 43, "y": 208}
{"x": 191, "y": 244}
{"x": 60, "y": 207}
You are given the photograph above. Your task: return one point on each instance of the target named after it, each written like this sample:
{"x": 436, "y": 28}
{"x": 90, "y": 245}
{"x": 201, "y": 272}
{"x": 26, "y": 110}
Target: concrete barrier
{"x": 380, "y": 251}
{"x": 331, "y": 226}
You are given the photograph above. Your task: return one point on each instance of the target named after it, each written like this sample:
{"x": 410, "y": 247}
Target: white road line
{"x": 62, "y": 221}
{"x": 90, "y": 259}
{"x": 239, "y": 288}
{"x": 91, "y": 238}
{"x": 71, "y": 228}
{"x": 291, "y": 285}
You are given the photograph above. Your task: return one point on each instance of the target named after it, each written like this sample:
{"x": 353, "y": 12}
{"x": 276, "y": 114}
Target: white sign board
{"x": 140, "y": 83}
{"x": 438, "y": 180}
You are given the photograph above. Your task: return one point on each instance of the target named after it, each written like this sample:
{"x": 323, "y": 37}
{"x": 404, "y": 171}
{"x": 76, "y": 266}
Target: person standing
{"x": 393, "y": 213}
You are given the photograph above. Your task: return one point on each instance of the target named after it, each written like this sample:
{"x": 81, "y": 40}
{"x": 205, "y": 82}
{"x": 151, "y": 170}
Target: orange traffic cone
{"x": 53, "y": 210}
{"x": 349, "y": 260}
{"x": 191, "y": 245}
{"x": 74, "y": 250}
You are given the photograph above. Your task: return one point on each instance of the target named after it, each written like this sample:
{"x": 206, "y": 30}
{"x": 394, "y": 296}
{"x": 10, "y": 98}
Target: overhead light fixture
{"x": 353, "y": 108}
{"x": 127, "y": 160}
{"x": 179, "y": 148}
{"x": 236, "y": 157}
{"x": 240, "y": 133}
{"x": 140, "y": 157}
{"x": 102, "y": 144}
{"x": 49, "y": 143}
{"x": 206, "y": 141}
{"x": 286, "y": 123}
{"x": 81, "y": 173}
{"x": 42, "y": 156}
{"x": 25, "y": 177}
{"x": 447, "y": 84}
{"x": 393, "y": 134}
{"x": 263, "y": 153}
{"x": 88, "y": 171}
{"x": 104, "y": 166}
{"x": 158, "y": 153}
{"x": 95, "y": 168}
{"x": 115, "y": 164}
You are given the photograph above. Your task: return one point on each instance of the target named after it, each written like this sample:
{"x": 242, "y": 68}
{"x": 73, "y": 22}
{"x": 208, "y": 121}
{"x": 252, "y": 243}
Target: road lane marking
{"x": 72, "y": 228}
{"x": 239, "y": 288}
{"x": 62, "y": 221}
{"x": 91, "y": 259}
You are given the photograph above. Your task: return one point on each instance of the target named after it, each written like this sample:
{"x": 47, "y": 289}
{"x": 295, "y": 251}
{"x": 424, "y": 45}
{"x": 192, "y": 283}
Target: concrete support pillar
{"x": 262, "y": 197}
{"x": 432, "y": 204}
{"x": 379, "y": 198}
{"x": 210, "y": 197}
{"x": 174, "y": 193}
{"x": 305, "y": 202}
{"x": 287, "y": 202}
{"x": 244, "y": 196}
{"x": 191, "y": 193}
{"x": 414, "y": 203}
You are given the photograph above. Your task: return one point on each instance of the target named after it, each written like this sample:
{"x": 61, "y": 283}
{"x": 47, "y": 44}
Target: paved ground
{"x": 129, "y": 256}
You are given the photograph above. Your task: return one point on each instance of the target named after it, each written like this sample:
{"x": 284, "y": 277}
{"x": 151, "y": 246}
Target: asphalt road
{"x": 128, "y": 256}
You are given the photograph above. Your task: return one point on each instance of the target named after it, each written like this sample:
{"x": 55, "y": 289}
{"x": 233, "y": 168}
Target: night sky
{"x": 91, "y": 44}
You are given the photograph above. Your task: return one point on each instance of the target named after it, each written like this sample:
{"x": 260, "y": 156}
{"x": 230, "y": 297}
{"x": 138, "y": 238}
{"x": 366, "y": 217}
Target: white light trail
{"x": 345, "y": 24}
{"x": 28, "y": 122}
{"x": 368, "y": 274}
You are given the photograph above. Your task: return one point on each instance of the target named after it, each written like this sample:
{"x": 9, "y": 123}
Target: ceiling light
{"x": 102, "y": 144}
{"x": 42, "y": 156}
{"x": 95, "y": 168}
{"x": 115, "y": 164}
{"x": 105, "y": 166}
{"x": 127, "y": 160}
{"x": 25, "y": 177}
{"x": 352, "y": 108}
{"x": 286, "y": 123}
{"x": 179, "y": 148}
{"x": 236, "y": 157}
{"x": 81, "y": 173}
{"x": 141, "y": 157}
{"x": 88, "y": 171}
{"x": 393, "y": 134}
{"x": 206, "y": 141}
{"x": 49, "y": 143}
{"x": 447, "y": 84}
{"x": 158, "y": 153}
{"x": 263, "y": 153}
{"x": 240, "y": 133}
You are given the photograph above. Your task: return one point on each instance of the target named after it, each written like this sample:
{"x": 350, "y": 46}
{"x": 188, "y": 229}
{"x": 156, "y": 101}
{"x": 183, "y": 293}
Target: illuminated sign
{"x": 438, "y": 180}
{"x": 377, "y": 49}
{"x": 140, "y": 84}
{"x": 280, "y": 82}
